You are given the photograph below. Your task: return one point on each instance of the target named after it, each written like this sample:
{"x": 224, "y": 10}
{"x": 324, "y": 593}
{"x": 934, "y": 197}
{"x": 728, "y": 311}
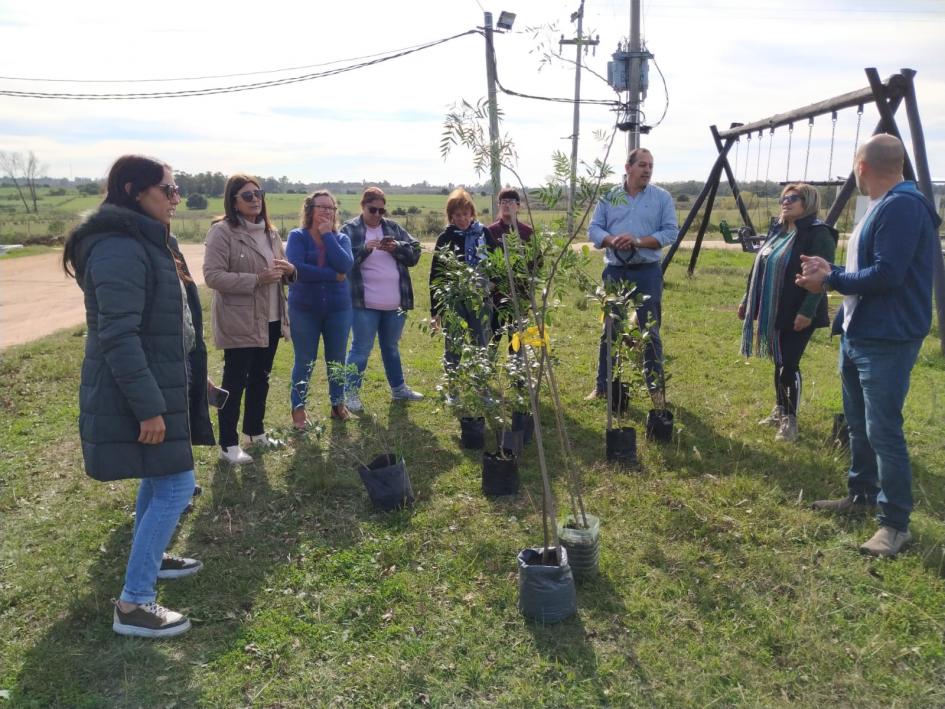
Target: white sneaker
{"x": 353, "y": 401}
{"x": 787, "y": 431}
{"x": 262, "y": 440}
{"x": 404, "y": 393}
{"x": 774, "y": 418}
{"x": 234, "y": 455}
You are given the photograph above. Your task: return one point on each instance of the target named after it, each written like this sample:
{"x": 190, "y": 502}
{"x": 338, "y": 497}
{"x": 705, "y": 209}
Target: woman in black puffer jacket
{"x": 142, "y": 401}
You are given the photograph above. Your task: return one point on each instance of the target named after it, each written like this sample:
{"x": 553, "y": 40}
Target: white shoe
{"x": 262, "y": 440}
{"x": 353, "y": 401}
{"x": 234, "y": 455}
{"x": 774, "y": 418}
{"x": 787, "y": 431}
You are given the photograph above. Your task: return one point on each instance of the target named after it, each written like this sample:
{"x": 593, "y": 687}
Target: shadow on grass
{"x": 81, "y": 662}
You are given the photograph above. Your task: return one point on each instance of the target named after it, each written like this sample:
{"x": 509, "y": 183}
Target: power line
{"x": 229, "y": 89}
{"x": 213, "y": 76}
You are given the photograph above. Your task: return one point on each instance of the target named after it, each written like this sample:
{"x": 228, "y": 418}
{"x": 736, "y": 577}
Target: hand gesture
{"x": 270, "y": 275}
{"x": 741, "y": 311}
{"x": 284, "y": 266}
{"x": 801, "y": 322}
{"x": 324, "y": 223}
{"x": 814, "y": 270}
{"x": 369, "y": 246}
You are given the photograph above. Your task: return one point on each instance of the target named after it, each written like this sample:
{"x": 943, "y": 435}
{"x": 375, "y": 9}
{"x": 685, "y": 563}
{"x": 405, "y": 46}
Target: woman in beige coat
{"x": 245, "y": 265}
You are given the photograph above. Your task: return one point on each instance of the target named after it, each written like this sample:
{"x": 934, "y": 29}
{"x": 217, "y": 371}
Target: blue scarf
{"x": 474, "y": 249}
{"x": 764, "y": 296}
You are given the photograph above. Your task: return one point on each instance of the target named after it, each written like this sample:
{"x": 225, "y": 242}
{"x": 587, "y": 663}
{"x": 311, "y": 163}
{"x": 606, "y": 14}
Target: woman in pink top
{"x": 381, "y": 293}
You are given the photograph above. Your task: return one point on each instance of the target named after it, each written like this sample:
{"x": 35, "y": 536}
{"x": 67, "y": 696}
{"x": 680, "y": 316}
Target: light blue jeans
{"x": 875, "y": 378}
{"x": 387, "y": 326}
{"x": 157, "y": 510}
{"x": 307, "y": 327}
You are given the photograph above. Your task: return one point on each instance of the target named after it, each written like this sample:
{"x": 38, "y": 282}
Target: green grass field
{"x": 59, "y": 213}
{"x": 718, "y": 586}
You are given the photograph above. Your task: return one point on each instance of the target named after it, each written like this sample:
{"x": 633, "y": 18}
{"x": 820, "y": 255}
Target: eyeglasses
{"x": 377, "y": 210}
{"x": 508, "y": 202}
{"x": 169, "y": 190}
{"x": 250, "y": 195}
{"x": 789, "y": 199}
{"x": 326, "y": 207}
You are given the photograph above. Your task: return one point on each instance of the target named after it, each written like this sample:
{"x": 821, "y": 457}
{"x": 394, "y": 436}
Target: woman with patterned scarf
{"x": 779, "y": 316}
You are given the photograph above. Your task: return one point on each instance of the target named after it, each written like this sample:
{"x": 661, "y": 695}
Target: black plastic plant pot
{"x": 512, "y": 441}
{"x": 546, "y": 591}
{"x": 841, "y": 433}
{"x": 659, "y": 425}
{"x": 499, "y": 475}
{"x": 387, "y": 482}
{"x": 472, "y": 432}
{"x": 583, "y": 545}
{"x": 525, "y": 423}
{"x": 622, "y": 446}
{"x": 619, "y": 396}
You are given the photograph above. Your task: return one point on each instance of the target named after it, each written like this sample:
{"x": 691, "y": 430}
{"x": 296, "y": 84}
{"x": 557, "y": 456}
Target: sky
{"x": 723, "y": 61}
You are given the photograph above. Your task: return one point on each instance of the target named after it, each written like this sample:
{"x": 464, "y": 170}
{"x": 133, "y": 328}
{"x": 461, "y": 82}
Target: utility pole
{"x": 493, "y": 115}
{"x": 579, "y": 42}
{"x": 633, "y": 135}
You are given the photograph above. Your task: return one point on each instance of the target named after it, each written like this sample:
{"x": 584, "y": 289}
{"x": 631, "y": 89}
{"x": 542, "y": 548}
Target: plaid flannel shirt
{"x": 406, "y": 254}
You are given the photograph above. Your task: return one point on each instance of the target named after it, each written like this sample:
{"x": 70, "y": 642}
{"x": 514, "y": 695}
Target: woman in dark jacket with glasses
{"x": 245, "y": 265}
{"x": 779, "y": 315}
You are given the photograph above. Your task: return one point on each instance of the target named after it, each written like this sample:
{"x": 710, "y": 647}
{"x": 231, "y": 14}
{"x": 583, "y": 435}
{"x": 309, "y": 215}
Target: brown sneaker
{"x": 886, "y": 542}
{"x": 596, "y": 394}
{"x": 149, "y": 620}
{"x": 176, "y": 567}
{"x": 849, "y": 505}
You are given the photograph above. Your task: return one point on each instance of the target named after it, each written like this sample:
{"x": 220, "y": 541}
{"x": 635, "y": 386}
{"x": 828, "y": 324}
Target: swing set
{"x": 887, "y": 95}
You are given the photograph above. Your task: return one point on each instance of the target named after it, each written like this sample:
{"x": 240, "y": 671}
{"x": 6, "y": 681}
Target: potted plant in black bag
{"x": 385, "y": 475}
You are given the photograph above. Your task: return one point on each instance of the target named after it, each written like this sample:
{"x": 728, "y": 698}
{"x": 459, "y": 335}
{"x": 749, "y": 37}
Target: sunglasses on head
{"x": 169, "y": 190}
{"x": 377, "y": 210}
{"x": 789, "y": 199}
{"x": 250, "y": 195}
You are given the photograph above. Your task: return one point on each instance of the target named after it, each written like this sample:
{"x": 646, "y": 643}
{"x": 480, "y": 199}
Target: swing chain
{"x": 810, "y": 133}
{"x": 833, "y": 133}
{"x": 859, "y": 120}
{"x": 787, "y": 172}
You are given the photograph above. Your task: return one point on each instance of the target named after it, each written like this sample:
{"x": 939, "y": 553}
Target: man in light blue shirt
{"x": 633, "y": 223}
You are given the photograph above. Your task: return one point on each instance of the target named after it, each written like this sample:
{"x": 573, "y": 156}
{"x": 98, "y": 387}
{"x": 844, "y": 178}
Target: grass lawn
{"x": 718, "y": 585}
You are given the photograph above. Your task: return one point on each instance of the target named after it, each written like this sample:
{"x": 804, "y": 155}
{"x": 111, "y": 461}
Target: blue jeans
{"x": 158, "y": 508}
{"x": 307, "y": 326}
{"x": 649, "y": 280}
{"x": 875, "y": 379}
{"x": 387, "y": 325}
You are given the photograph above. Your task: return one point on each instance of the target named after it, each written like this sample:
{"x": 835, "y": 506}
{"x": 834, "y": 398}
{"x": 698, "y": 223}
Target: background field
{"x": 719, "y": 587}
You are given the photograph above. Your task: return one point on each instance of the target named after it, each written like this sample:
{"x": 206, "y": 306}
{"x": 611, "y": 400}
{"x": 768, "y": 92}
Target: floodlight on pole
{"x": 506, "y": 20}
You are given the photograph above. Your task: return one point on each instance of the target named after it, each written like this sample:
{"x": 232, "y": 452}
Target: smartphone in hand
{"x": 216, "y": 396}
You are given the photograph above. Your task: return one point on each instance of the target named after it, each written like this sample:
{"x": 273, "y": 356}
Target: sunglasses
{"x": 169, "y": 190}
{"x": 377, "y": 210}
{"x": 250, "y": 195}
{"x": 789, "y": 199}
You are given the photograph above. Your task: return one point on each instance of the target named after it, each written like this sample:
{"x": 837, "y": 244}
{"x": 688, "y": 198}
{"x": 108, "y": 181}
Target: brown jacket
{"x": 240, "y": 306}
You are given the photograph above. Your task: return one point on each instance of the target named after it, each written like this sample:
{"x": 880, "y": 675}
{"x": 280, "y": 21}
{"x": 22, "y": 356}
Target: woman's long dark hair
{"x": 138, "y": 173}
{"x": 234, "y": 185}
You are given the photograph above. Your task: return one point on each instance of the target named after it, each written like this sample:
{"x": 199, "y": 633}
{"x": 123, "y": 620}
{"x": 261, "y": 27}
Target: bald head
{"x": 884, "y": 154}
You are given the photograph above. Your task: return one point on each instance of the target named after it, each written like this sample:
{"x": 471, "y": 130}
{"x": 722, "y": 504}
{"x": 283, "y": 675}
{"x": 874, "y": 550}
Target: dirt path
{"x": 37, "y": 299}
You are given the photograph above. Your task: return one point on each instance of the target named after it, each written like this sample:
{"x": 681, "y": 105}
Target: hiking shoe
{"x": 404, "y": 393}
{"x": 261, "y": 441}
{"x": 234, "y": 455}
{"x": 886, "y": 542}
{"x": 176, "y": 567}
{"x": 849, "y": 505}
{"x": 774, "y": 418}
{"x": 596, "y": 394}
{"x": 787, "y": 431}
{"x": 149, "y": 621}
{"x": 353, "y": 401}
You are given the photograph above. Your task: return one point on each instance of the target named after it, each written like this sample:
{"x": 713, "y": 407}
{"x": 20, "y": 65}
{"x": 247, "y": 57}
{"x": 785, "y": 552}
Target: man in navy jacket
{"x": 886, "y": 314}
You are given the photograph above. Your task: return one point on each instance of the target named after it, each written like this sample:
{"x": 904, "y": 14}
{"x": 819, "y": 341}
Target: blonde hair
{"x": 810, "y": 198}
{"x": 307, "y": 217}
{"x": 459, "y": 199}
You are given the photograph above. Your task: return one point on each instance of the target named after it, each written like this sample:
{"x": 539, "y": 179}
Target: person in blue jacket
{"x": 886, "y": 314}
{"x": 142, "y": 397}
{"x": 319, "y": 301}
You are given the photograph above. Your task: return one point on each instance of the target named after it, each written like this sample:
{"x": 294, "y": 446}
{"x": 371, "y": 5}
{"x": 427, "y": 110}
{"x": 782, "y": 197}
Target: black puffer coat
{"x": 135, "y": 363}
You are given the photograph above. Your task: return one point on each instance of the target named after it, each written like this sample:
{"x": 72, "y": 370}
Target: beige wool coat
{"x": 240, "y": 311}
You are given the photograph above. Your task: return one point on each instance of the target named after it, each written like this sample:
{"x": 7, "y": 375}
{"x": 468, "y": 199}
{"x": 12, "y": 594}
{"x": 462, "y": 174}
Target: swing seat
{"x": 749, "y": 240}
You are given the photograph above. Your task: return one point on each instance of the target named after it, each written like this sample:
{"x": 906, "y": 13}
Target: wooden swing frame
{"x": 888, "y": 96}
